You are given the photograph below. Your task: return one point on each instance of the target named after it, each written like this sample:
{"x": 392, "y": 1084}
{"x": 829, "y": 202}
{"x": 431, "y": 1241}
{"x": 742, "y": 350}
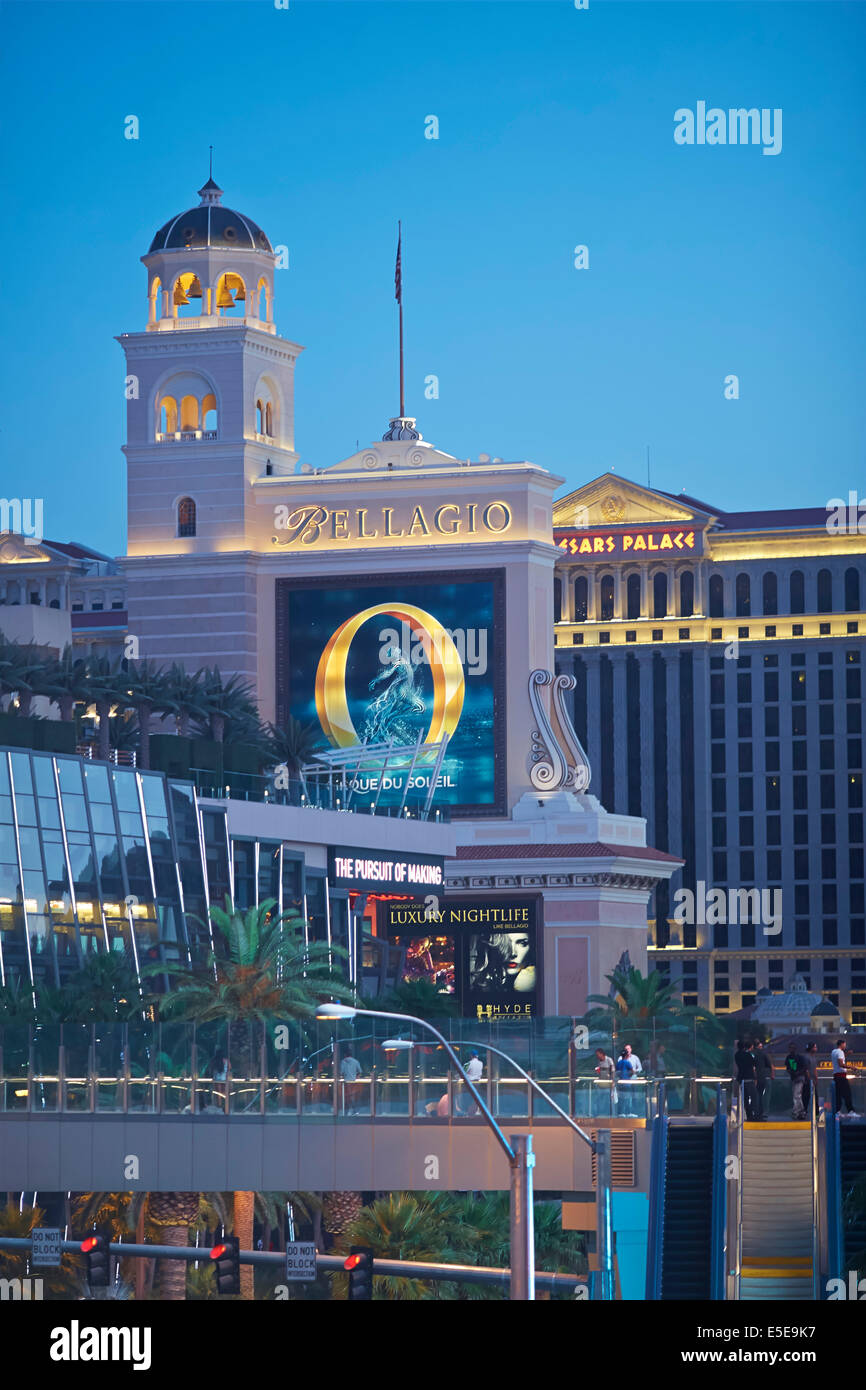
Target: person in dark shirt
{"x": 744, "y": 1061}
{"x": 798, "y": 1070}
{"x": 811, "y": 1085}
{"x": 763, "y": 1078}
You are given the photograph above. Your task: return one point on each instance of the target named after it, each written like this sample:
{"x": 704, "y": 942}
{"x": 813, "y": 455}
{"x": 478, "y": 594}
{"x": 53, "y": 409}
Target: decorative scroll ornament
{"x": 554, "y": 767}
{"x": 580, "y": 770}
{"x": 402, "y": 428}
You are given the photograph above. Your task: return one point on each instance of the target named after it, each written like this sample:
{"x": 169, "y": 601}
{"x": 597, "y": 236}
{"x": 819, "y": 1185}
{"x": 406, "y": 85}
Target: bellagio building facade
{"x": 718, "y": 659}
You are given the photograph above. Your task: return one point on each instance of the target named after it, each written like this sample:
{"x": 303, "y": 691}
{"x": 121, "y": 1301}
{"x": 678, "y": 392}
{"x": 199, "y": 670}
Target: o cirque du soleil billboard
{"x": 388, "y": 658}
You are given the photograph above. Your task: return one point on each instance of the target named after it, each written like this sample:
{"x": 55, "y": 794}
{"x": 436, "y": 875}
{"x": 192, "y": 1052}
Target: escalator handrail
{"x": 719, "y": 1198}
{"x": 656, "y": 1223}
{"x": 835, "y": 1236}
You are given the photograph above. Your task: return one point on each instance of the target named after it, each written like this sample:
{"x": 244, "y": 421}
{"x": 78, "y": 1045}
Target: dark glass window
{"x": 186, "y": 517}
{"x": 633, "y": 596}
{"x": 771, "y": 594}
{"x": 580, "y": 599}
{"x": 717, "y": 596}
{"x": 743, "y": 596}
{"x": 774, "y": 794}
{"x": 825, "y": 591}
{"x": 660, "y": 596}
{"x": 852, "y": 591}
{"x": 798, "y": 592}
{"x": 606, "y": 598}
{"x": 687, "y": 594}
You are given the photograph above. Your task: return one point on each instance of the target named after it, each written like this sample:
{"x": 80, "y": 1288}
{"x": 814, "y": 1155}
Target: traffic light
{"x": 98, "y": 1258}
{"x": 227, "y": 1258}
{"x": 359, "y": 1267}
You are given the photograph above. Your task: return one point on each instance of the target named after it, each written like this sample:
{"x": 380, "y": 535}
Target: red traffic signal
{"x": 217, "y": 1250}
{"x": 359, "y": 1267}
{"x": 88, "y": 1245}
{"x": 227, "y": 1259}
{"x": 97, "y": 1255}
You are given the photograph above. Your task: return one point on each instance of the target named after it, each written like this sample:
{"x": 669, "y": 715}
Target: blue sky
{"x": 555, "y": 129}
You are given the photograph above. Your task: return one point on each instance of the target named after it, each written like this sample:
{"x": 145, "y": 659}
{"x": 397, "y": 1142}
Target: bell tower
{"x": 210, "y": 409}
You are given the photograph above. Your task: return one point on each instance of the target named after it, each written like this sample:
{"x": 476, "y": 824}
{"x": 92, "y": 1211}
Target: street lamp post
{"x": 521, "y": 1159}
{"x": 600, "y": 1147}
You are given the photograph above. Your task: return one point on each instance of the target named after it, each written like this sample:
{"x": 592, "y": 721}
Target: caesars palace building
{"x": 645, "y": 711}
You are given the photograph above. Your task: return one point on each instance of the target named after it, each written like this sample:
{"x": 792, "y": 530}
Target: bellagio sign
{"x": 599, "y": 545}
{"x": 313, "y": 524}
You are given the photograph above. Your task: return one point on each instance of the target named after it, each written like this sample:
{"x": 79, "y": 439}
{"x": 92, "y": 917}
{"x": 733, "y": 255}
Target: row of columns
{"x": 20, "y": 590}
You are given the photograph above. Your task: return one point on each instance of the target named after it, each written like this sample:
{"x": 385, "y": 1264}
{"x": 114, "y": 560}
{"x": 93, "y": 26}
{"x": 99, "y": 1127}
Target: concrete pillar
{"x": 567, "y": 578}
{"x": 590, "y": 595}
{"x": 617, "y": 594}
{"x": 644, "y": 591}
{"x": 673, "y": 596}
{"x": 593, "y": 712}
{"x": 620, "y": 728}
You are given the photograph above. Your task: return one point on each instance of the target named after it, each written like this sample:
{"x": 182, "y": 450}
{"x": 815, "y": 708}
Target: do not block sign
{"x": 301, "y": 1261}
{"x": 46, "y": 1245}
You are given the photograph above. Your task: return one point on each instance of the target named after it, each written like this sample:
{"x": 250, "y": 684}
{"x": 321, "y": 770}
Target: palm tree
{"x": 642, "y": 1009}
{"x": 107, "y": 685}
{"x": 292, "y": 744}
{"x": 267, "y": 972}
{"x": 65, "y": 681}
{"x": 24, "y": 668}
{"x": 147, "y": 692}
{"x": 225, "y": 701}
{"x": 418, "y": 997}
{"x": 106, "y": 987}
{"x": 165, "y": 1217}
{"x": 182, "y": 697}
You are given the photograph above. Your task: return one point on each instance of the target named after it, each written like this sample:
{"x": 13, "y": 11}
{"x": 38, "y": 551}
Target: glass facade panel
{"x": 74, "y": 812}
{"x": 125, "y": 789}
{"x": 96, "y": 781}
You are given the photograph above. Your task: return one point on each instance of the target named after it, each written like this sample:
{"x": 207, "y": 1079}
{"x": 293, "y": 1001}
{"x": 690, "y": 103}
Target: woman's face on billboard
{"x": 519, "y": 947}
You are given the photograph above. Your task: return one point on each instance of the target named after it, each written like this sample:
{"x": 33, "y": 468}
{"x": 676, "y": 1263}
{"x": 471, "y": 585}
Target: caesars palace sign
{"x": 310, "y": 525}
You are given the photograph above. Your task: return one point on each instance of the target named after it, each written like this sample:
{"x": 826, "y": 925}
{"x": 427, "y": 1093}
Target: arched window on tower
{"x": 743, "y": 596}
{"x": 167, "y": 417}
{"x": 209, "y": 414}
{"x": 186, "y": 296}
{"x": 231, "y": 296}
{"x": 189, "y": 413}
{"x": 825, "y": 591}
{"x": 687, "y": 594}
{"x": 771, "y": 594}
{"x": 632, "y": 591}
{"x": 717, "y": 596}
{"x": 660, "y": 596}
{"x": 852, "y": 591}
{"x": 580, "y": 599}
{"x": 186, "y": 517}
{"x": 607, "y": 598}
{"x": 263, "y": 296}
{"x": 798, "y": 592}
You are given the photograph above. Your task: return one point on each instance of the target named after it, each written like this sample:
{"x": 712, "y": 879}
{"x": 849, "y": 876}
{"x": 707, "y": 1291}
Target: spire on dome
{"x": 211, "y": 193}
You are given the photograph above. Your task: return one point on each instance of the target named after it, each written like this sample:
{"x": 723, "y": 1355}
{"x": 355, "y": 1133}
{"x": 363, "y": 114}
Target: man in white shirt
{"x": 841, "y": 1085}
{"x": 350, "y": 1070}
{"x": 474, "y": 1070}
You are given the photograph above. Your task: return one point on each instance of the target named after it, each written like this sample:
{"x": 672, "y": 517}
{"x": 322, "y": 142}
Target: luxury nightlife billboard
{"x": 388, "y": 657}
{"x": 484, "y": 952}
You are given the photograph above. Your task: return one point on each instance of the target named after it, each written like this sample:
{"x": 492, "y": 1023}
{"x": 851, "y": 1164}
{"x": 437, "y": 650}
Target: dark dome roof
{"x": 825, "y": 1007}
{"x": 210, "y": 225}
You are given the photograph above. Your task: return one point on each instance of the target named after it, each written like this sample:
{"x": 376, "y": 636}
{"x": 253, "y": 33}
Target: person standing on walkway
{"x": 763, "y": 1079}
{"x": 474, "y": 1070}
{"x": 744, "y": 1061}
{"x": 798, "y": 1070}
{"x": 811, "y": 1085}
{"x": 606, "y": 1071}
{"x": 841, "y": 1084}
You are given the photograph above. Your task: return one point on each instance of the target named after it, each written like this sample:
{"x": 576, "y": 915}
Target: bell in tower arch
{"x": 194, "y": 291}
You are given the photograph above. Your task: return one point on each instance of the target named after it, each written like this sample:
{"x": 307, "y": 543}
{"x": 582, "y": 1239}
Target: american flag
{"x": 398, "y": 269}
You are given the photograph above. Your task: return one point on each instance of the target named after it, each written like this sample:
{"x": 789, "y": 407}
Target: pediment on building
{"x": 396, "y": 455}
{"x": 612, "y": 500}
{"x": 16, "y": 550}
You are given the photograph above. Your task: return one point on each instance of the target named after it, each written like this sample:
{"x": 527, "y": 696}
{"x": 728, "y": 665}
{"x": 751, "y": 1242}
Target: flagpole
{"x": 400, "y": 302}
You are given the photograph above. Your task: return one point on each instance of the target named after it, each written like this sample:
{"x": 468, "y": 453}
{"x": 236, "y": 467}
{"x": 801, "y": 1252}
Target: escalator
{"x": 685, "y": 1254}
{"x": 777, "y": 1211}
{"x": 846, "y": 1166}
